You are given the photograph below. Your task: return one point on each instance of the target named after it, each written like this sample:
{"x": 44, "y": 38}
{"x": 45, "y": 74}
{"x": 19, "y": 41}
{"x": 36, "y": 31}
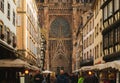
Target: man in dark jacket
{"x": 62, "y": 78}
{"x": 38, "y": 78}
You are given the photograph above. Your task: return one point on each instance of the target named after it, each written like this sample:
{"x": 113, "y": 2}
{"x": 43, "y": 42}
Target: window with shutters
{"x": 2, "y": 5}
{"x": 8, "y": 11}
{"x": 13, "y": 18}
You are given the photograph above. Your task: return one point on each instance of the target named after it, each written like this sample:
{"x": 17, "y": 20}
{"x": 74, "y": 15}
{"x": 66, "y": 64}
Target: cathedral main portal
{"x": 60, "y": 45}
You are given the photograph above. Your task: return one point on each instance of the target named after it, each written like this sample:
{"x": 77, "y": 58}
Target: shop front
{"x": 108, "y": 72}
{"x": 109, "y": 76}
{"x": 15, "y": 71}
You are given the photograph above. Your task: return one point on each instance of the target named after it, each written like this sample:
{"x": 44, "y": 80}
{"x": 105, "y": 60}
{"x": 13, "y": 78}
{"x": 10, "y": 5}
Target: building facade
{"x": 88, "y": 40}
{"x": 98, "y": 51}
{"x": 111, "y": 31}
{"x": 27, "y": 30}
{"x": 7, "y": 40}
{"x": 111, "y": 39}
{"x": 80, "y": 9}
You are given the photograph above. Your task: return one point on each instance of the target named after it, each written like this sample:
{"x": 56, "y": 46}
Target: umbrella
{"x": 46, "y": 71}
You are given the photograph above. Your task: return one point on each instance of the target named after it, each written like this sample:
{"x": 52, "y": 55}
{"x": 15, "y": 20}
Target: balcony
{"x": 86, "y": 62}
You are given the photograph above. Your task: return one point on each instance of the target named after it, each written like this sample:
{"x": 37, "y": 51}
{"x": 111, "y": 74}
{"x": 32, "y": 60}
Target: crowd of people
{"x": 63, "y": 78}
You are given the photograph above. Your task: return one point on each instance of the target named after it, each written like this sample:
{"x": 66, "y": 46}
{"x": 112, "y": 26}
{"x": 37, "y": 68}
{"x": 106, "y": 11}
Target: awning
{"x": 113, "y": 64}
{"x": 17, "y": 63}
{"x": 86, "y": 68}
{"x": 34, "y": 68}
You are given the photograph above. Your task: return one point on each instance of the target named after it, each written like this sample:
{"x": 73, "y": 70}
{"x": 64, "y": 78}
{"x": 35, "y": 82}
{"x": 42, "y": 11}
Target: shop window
{"x": 8, "y": 11}
{"x": 2, "y": 5}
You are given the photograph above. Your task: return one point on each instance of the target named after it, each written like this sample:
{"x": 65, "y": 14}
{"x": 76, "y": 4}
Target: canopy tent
{"x": 14, "y": 63}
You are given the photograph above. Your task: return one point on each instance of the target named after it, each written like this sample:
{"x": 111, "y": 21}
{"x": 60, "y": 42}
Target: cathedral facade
{"x": 60, "y": 20}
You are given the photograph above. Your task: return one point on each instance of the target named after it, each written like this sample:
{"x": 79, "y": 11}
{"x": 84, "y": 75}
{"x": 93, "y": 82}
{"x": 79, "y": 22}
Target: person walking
{"x": 52, "y": 78}
{"x": 81, "y": 78}
{"x": 38, "y": 78}
{"x": 62, "y": 78}
{"x": 44, "y": 79}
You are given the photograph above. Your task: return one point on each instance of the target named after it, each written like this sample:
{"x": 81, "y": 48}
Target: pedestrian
{"x": 62, "y": 78}
{"x": 48, "y": 78}
{"x": 52, "y": 78}
{"x": 38, "y": 78}
{"x": 44, "y": 79}
{"x": 81, "y": 78}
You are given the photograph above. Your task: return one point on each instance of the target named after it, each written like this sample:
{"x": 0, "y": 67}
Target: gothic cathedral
{"x": 60, "y": 20}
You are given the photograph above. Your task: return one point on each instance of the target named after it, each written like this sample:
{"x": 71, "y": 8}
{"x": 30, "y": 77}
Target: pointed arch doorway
{"x": 60, "y": 45}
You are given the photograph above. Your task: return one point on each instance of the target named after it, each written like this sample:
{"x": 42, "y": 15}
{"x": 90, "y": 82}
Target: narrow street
{"x": 59, "y": 41}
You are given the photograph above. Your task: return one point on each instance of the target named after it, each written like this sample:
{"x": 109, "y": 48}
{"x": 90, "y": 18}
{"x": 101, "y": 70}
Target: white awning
{"x": 14, "y": 63}
{"x": 113, "y": 64}
{"x": 86, "y": 68}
